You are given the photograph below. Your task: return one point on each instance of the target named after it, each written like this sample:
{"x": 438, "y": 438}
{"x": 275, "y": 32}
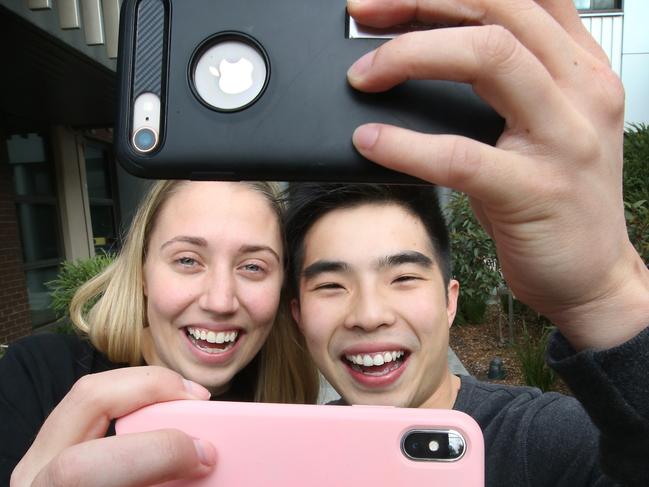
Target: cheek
{"x": 319, "y": 321}
{"x": 164, "y": 302}
{"x": 261, "y": 300}
{"x": 427, "y": 312}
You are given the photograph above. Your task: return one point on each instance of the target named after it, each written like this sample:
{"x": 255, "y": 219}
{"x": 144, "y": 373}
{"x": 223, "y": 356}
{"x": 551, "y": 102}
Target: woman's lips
{"x": 212, "y": 346}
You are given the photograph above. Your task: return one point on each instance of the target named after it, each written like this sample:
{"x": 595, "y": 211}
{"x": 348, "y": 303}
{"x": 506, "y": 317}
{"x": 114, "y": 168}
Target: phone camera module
{"x": 145, "y": 140}
{"x": 433, "y": 445}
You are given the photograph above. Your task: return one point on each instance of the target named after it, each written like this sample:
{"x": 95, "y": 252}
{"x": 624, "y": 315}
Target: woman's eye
{"x": 252, "y": 268}
{"x": 186, "y": 261}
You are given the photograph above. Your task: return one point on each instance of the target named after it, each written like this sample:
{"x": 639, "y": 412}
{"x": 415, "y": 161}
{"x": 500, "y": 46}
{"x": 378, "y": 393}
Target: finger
{"x": 500, "y": 69}
{"x": 482, "y": 171}
{"x": 86, "y": 411}
{"x": 134, "y": 460}
{"x": 533, "y": 26}
{"x": 566, "y": 15}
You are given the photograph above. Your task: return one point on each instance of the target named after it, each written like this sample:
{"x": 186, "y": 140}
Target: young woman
{"x": 196, "y": 290}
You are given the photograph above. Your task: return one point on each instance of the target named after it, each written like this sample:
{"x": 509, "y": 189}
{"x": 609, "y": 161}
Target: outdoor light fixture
{"x": 496, "y": 370}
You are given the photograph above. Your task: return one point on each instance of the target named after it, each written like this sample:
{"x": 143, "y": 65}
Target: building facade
{"x": 62, "y": 197}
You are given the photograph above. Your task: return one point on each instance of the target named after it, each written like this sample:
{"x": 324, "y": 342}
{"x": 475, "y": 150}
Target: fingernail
{"x": 196, "y": 390}
{"x": 365, "y": 136}
{"x": 206, "y": 452}
{"x": 361, "y": 66}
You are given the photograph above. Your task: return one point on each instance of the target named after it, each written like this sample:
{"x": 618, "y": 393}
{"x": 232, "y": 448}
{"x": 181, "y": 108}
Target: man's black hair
{"x": 308, "y": 202}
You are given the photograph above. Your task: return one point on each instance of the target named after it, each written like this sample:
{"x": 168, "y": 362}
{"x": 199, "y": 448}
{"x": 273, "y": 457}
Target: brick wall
{"x": 15, "y": 320}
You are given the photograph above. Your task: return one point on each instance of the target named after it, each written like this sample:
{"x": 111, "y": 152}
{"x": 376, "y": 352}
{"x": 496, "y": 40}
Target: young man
{"x": 370, "y": 270}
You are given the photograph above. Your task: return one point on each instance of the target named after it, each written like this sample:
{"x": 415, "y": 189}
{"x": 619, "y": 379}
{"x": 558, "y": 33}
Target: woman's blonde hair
{"x": 285, "y": 372}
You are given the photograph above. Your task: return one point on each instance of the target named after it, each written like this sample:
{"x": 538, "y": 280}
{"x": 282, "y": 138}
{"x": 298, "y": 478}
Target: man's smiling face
{"x": 373, "y": 306}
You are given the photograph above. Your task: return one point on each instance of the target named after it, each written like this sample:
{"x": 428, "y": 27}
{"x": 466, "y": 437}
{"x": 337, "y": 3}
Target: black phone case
{"x": 300, "y": 128}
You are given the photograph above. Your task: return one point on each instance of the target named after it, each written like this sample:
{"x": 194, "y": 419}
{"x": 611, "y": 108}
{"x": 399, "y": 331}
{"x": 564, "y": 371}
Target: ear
{"x": 452, "y": 294}
{"x": 295, "y": 312}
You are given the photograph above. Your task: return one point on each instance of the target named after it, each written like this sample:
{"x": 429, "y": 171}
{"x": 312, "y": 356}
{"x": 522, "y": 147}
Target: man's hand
{"x": 70, "y": 449}
{"x": 550, "y": 192}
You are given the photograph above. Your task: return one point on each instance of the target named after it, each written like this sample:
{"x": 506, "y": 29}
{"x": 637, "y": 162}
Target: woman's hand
{"x": 550, "y": 192}
{"x": 70, "y": 448}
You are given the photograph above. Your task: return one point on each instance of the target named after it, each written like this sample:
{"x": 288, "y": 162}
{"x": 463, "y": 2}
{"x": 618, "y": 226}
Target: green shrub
{"x": 71, "y": 276}
{"x": 531, "y": 354}
{"x": 475, "y": 264}
{"x": 636, "y": 187}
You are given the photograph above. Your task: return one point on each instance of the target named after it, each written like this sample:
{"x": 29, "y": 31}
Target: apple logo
{"x": 234, "y": 78}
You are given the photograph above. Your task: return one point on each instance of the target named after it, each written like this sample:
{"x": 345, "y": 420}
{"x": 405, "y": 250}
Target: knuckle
{"x": 463, "y": 163}
{"x": 612, "y": 90}
{"x": 61, "y": 472}
{"x": 173, "y": 447}
{"x": 83, "y": 391}
{"x": 495, "y": 45}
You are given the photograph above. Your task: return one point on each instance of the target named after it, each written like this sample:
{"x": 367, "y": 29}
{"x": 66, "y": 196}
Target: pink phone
{"x": 322, "y": 446}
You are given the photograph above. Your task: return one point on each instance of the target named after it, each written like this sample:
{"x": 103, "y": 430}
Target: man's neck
{"x": 445, "y": 395}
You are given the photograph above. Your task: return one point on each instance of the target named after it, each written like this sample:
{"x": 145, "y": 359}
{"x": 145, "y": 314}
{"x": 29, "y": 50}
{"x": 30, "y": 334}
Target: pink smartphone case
{"x": 317, "y": 446}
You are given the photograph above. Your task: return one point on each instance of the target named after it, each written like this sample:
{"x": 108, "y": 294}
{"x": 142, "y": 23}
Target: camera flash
{"x": 433, "y": 446}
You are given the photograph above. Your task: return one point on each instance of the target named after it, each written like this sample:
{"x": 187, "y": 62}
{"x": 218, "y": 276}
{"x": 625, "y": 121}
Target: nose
{"x": 369, "y": 310}
{"x": 219, "y": 293}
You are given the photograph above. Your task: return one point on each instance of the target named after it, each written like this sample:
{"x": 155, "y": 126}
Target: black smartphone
{"x": 251, "y": 89}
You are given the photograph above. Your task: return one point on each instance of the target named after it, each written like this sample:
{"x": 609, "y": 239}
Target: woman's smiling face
{"x": 212, "y": 279}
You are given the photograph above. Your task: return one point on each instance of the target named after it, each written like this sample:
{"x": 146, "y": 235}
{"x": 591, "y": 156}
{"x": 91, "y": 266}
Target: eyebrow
{"x": 394, "y": 260}
{"x": 248, "y": 249}
{"x": 322, "y": 266}
{"x": 409, "y": 257}
{"x": 198, "y": 241}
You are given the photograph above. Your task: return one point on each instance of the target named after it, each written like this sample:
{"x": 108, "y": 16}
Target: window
{"x": 100, "y": 178}
{"x": 597, "y": 5}
{"x": 37, "y": 212}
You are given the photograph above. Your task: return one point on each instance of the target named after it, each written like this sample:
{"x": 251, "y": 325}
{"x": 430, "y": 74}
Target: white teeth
{"x": 376, "y": 359}
{"x": 212, "y": 336}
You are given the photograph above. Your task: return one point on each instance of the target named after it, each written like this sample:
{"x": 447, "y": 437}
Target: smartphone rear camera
{"x": 433, "y": 445}
{"x": 145, "y": 140}
{"x": 229, "y": 71}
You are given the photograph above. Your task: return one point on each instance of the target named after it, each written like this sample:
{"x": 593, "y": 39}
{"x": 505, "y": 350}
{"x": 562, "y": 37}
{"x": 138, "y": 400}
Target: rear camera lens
{"x": 433, "y": 445}
{"x": 145, "y": 140}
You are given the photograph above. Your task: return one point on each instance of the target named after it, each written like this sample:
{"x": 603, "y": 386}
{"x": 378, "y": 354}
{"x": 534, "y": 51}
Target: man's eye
{"x": 406, "y": 279}
{"x": 329, "y": 285}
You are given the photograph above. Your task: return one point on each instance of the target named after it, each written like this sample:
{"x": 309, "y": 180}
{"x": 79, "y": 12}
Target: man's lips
{"x": 376, "y": 367}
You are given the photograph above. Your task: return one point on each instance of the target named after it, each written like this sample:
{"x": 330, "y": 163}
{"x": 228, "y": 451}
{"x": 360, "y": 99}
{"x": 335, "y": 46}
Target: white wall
{"x": 635, "y": 60}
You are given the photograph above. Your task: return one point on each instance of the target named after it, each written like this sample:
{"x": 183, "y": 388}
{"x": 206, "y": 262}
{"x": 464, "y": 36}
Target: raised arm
{"x": 550, "y": 192}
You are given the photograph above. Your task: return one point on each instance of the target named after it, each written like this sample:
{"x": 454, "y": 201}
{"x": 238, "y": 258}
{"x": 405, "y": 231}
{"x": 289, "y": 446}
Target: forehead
{"x": 363, "y": 233}
{"x": 218, "y": 211}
